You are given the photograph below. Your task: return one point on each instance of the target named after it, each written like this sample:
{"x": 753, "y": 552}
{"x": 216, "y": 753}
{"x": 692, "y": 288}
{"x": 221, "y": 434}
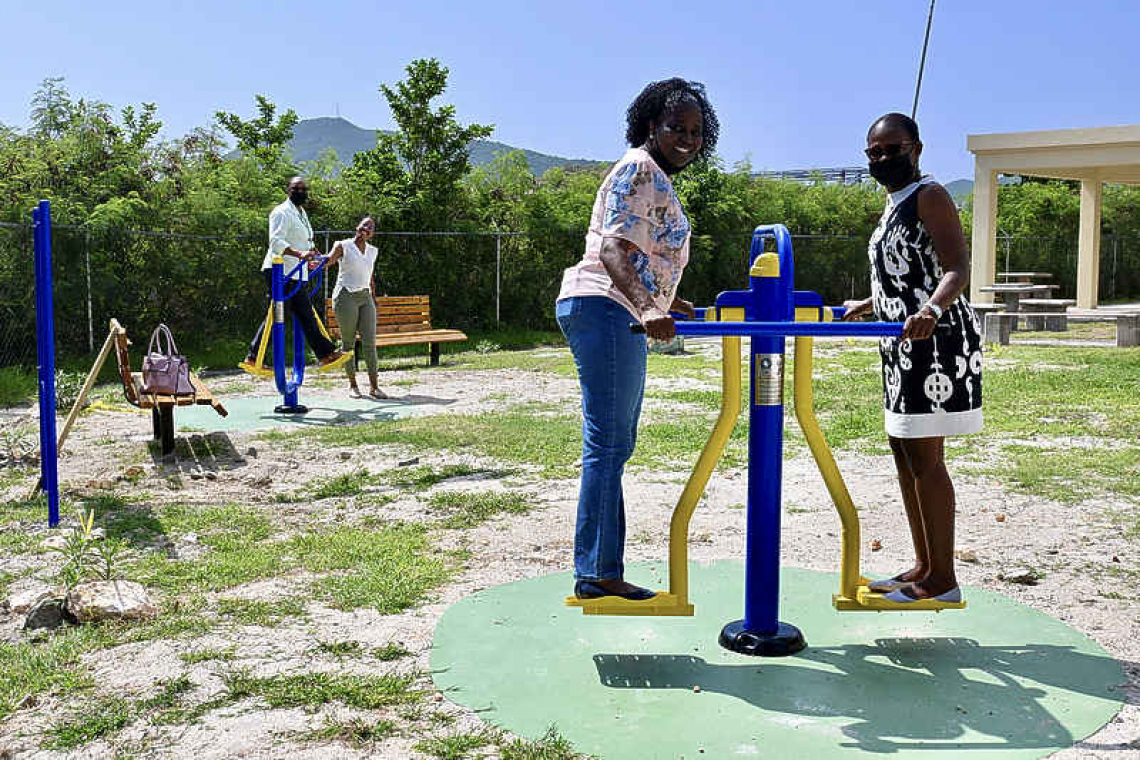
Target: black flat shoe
{"x": 591, "y": 590}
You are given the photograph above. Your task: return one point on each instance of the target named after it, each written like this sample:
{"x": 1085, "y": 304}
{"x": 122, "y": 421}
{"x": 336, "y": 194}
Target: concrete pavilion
{"x": 1092, "y": 156}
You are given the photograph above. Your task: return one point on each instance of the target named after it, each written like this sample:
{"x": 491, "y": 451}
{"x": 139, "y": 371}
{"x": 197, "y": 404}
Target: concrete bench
{"x": 1046, "y": 314}
{"x": 999, "y": 325}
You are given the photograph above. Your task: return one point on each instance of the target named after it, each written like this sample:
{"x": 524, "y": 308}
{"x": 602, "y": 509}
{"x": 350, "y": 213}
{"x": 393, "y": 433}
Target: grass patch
{"x": 18, "y": 386}
{"x": 552, "y": 442}
{"x": 339, "y": 649}
{"x": 259, "y": 612}
{"x": 389, "y": 569}
{"x": 466, "y": 509}
{"x": 390, "y": 651}
{"x": 423, "y": 477}
{"x": 51, "y": 665}
{"x": 196, "y": 656}
{"x": 357, "y": 732}
{"x": 458, "y": 745}
{"x": 367, "y": 692}
{"x": 106, "y": 716}
{"x": 550, "y": 746}
{"x": 348, "y": 484}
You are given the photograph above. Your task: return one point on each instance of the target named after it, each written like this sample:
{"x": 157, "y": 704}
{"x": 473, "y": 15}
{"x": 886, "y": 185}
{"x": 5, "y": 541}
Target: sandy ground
{"x": 1074, "y": 547}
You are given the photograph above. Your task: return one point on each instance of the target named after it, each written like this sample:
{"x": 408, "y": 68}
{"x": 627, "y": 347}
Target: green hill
{"x": 311, "y": 137}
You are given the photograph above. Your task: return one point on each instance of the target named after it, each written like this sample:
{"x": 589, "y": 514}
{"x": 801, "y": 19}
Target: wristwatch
{"x": 935, "y": 309}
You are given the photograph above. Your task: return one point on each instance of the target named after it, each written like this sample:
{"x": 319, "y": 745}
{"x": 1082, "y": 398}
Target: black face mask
{"x": 299, "y": 197}
{"x": 895, "y": 171}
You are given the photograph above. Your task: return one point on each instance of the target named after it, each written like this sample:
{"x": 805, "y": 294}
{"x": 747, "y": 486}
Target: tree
{"x": 264, "y": 138}
{"x": 430, "y": 147}
{"x": 51, "y": 108}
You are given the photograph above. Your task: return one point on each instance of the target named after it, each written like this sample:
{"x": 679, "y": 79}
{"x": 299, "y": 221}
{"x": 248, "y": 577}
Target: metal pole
{"x": 922, "y": 61}
{"x": 45, "y": 348}
{"x": 87, "y": 259}
{"x": 498, "y": 273}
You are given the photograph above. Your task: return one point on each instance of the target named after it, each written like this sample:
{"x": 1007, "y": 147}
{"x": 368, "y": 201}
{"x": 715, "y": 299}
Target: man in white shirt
{"x": 291, "y": 238}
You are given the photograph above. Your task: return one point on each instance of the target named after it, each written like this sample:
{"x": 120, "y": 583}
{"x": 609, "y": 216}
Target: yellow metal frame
{"x": 675, "y": 601}
{"x": 258, "y": 368}
{"x": 853, "y": 592}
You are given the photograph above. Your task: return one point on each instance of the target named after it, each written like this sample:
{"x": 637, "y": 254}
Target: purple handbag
{"x": 165, "y": 371}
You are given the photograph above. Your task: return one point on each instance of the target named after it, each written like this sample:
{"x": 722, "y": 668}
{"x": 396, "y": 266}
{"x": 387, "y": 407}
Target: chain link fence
{"x": 208, "y": 287}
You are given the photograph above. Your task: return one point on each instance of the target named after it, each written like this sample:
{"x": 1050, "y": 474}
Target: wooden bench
{"x": 1023, "y": 277}
{"x": 400, "y": 321}
{"x": 999, "y": 325}
{"x": 161, "y": 405}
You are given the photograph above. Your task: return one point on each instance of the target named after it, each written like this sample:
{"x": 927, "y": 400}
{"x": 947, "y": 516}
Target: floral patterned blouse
{"x": 636, "y": 202}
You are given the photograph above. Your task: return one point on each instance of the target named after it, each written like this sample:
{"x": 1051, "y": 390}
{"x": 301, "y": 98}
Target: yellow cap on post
{"x": 766, "y": 265}
{"x": 278, "y": 260}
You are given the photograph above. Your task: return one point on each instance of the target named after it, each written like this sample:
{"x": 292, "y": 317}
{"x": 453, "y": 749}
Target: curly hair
{"x": 658, "y": 98}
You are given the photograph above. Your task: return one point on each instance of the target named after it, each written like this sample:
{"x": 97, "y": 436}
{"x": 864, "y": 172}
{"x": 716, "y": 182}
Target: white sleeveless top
{"x": 355, "y": 270}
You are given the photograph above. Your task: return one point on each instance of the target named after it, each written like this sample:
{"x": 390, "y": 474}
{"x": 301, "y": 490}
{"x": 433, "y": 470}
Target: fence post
{"x": 325, "y": 279}
{"x": 87, "y": 262}
{"x": 45, "y": 349}
{"x": 498, "y": 272}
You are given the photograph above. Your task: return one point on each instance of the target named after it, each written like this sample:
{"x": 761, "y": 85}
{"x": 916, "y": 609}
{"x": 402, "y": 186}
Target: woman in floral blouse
{"x": 637, "y": 247}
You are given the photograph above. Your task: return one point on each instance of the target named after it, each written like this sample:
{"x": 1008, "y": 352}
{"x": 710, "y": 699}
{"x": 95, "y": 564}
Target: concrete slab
{"x": 997, "y": 680}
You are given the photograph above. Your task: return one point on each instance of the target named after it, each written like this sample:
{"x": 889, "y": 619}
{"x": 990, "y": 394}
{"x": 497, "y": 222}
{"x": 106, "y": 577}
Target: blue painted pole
{"x": 286, "y": 386}
{"x": 45, "y": 354}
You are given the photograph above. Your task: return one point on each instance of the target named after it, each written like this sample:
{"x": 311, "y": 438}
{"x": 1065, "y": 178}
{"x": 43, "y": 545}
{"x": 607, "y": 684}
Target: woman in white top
{"x": 352, "y": 299}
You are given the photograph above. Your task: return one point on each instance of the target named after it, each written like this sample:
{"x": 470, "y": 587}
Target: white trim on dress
{"x": 933, "y": 425}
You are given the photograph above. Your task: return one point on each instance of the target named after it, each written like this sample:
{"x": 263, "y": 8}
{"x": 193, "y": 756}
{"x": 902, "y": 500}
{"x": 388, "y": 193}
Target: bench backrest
{"x": 122, "y": 357}
{"x": 394, "y": 314}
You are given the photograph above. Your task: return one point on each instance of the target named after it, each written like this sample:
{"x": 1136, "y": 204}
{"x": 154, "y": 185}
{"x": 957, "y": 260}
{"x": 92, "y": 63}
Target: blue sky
{"x": 795, "y": 83}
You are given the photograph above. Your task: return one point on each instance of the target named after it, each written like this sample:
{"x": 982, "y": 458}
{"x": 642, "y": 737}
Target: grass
{"x": 357, "y": 732}
{"x": 196, "y": 656}
{"x": 339, "y": 649}
{"x": 454, "y": 746}
{"x": 466, "y": 509}
{"x": 423, "y": 477}
{"x": 390, "y": 651}
{"x": 510, "y": 435}
{"x": 260, "y": 612}
{"x": 17, "y": 386}
{"x": 310, "y": 690}
{"x": 389, "y": 569}
{"x": 106, "y": 716}
{"x": 36, "y": 667}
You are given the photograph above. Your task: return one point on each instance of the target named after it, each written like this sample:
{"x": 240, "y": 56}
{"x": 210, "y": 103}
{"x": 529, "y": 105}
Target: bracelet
{"x": 935, "y": 309}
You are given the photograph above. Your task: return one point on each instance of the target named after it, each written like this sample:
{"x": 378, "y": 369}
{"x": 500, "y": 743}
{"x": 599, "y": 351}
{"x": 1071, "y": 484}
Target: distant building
{"x": 844, "y": 175}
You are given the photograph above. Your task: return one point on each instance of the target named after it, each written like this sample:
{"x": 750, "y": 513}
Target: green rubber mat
{"x": 996, "y": 680}
{"x": 256, "y": 412}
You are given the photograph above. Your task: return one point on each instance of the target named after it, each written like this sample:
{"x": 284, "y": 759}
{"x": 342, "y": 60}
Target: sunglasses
{"x": 876, "y": 152}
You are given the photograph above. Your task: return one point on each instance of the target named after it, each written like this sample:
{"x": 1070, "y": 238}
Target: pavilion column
{"x": 983, "y": 242}
{"x": 1088, "y": 248}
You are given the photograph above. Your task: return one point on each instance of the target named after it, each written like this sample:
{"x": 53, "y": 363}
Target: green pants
{"x": 355, "y": 310}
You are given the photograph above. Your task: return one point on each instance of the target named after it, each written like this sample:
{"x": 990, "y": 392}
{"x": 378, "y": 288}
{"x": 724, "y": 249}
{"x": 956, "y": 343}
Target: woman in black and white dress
{"x": 932, "y": 375}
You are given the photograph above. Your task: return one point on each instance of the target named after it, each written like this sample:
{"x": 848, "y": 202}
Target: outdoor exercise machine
{"x": 768, "y": 312}
{"x": 287, "y": 385}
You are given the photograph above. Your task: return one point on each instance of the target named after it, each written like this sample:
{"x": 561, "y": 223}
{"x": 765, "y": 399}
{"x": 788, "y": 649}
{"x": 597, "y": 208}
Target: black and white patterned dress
{"x": 931, "y": 388}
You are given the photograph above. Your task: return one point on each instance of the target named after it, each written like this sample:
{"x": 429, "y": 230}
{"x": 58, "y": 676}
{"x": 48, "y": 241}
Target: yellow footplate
{"x": 255, "y": 369}
{"x": 663, "y": 603}
{"x": 865, "y": 599}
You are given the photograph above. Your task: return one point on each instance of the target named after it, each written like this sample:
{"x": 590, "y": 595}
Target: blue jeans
{"x": 611, "y": 371}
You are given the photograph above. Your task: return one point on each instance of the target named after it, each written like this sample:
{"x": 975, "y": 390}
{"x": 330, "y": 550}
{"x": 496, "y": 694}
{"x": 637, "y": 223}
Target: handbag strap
{"x": 160, "y": 332}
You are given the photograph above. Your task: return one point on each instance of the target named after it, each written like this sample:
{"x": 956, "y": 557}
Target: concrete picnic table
{"x": 1011, "y": 293}
{"x": 1023, "y": 277}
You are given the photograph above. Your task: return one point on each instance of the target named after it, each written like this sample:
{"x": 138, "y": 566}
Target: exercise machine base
{"x": 787, "y": 640}
{"x": 290, "y": 409}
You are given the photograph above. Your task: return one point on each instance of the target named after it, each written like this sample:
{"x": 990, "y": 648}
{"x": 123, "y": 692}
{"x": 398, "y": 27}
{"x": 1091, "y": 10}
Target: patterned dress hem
{"x": 935, "y": 425}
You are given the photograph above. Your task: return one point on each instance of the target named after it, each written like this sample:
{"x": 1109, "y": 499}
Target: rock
{"x": 195, "y": 474}
{"x": 22, "y": 601}
{"x": 345, "y": 455}
{"x": 190, "y": 538}
{"x": 876, "y": 545}
{"x": 1000, "y": 518}
{"x": 49, "y": 614}
{"x": 104, "y": 600}
{"x": 211, "y": 475}
{"x": 966, "y": 555}
{"x": 251, "y": 452}
{"x": 696, "y": 689}
{"x": 56, "y": 542}
{"x": 134, "y": 471}
{"x": 408, "y": 462}
{"x": 1025, "y": 577}
{"x": 98, "y": 533}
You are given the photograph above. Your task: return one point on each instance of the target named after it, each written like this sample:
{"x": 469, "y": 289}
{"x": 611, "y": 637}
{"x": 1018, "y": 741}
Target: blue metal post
{"x": 286, "y": 386}
{"x": 772, "y": 301}
{"x": 45, "y": 353}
